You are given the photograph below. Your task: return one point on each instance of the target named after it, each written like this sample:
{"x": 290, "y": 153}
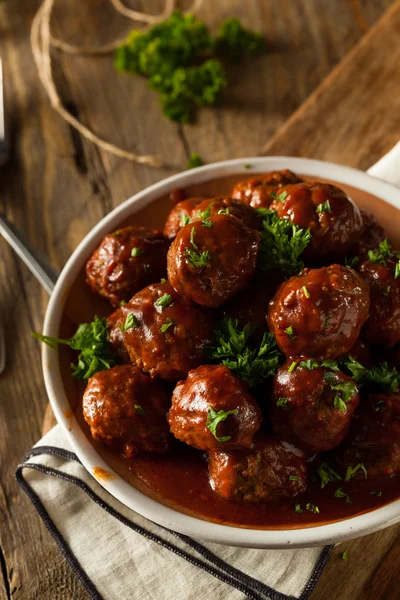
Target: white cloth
{"x": 119, "y": 555}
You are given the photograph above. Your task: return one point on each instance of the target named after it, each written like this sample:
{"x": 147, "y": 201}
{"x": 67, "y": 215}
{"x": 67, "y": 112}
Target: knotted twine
{"x": 42, "y": 41}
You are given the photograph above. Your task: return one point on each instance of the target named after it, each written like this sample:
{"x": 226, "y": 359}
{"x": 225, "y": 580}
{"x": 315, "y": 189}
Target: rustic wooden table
{"x": 56, "y": 186}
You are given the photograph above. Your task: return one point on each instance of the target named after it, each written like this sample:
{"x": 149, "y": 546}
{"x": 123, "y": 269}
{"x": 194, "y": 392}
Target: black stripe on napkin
{"x": 252, "y": 588}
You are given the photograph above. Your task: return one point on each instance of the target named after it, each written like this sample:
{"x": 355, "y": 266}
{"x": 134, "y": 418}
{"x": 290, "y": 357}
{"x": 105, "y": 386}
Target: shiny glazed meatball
{"x": 372, "y": 235}
{"x": 333, "y": 219}
{"x": 164, "y": 334}
{"x": 125, "y": 262}
{"x": 383, "y": 324}
{"x": 319, "y": 312}
{"x": 259, "y": 191}
{"x": 312, "y": 406}
{"x": 259, "y": 474}
{"x": 116, "y": 336}
{"x": 210, "y": 264}
{"x": 179, "y": 215}
{"x": 374, "y": 438}
{"x": 234, "y": 207}
{"x": 126, "y": 410}
{"x": 212, "y": 409}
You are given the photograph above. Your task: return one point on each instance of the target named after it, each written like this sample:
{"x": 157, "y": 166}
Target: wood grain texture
{"x": 56, "y": 186}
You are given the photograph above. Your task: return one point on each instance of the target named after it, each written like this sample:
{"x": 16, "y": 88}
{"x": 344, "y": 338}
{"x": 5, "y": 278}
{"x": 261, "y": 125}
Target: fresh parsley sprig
{"x": 346, "y": 390}
{"x": 214, "y": 418}
{"x": 380, "y": 376}
{"x": 383, "y": 252}
{"x": 282, "y": 243}
{"x": 91, "y": 340}
{"x": 252, "y": 364}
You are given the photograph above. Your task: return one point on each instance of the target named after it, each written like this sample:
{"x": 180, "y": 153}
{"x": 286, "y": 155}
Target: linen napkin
{"x": 118, "y": 555}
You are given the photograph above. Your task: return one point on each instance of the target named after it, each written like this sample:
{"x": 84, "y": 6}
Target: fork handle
{"x": 36, "y": 263}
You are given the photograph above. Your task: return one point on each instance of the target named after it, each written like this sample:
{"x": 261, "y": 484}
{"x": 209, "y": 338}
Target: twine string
{"x": 42, "y": 41}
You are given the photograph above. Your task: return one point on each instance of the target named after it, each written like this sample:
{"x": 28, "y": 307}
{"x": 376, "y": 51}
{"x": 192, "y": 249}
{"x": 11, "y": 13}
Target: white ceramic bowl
{"x": 120, "y": 489}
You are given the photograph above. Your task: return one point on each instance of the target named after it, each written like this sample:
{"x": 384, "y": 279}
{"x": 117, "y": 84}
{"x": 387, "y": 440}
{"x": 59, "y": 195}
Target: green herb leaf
{"x": 137, "y": 252}
{"x": 140, "y": 410}
{"x": 123, "y": 302}
{"x": 130, "y": 321}
{"x": 346, "y": 388}
{"x": 252, "y": 364}
{"x": 378, "y": 494}
{"x": 247, "y": 166}
{"x": 168, "y": 323}
{"x": 233, "y": 40}
{"x": 91, "y": 340}
{"x": 298, "y": 509}
{"x": 344, "y": 555}
{"x": 380, "y": 376}
{"x": 293, "y": 478}
{"x": 292, "y": 367}
{"x": 164, "y": 301}
{"x": 185, "y": 220}
{"x": 290, "y": 334}
{"x": 282, "y": 243}
{"x": 205, "y": 215}
{"x": 223, "y": 211}
{"x": 352, "y": 470}
{"x": 312, "y": 508}
{"x": 309, "y": 364}
{"x": 339, "y": 493}
{"x": 397, "y": 270}
{"x": 327, "y": 474}
{"x": 325, "y": 207}
{"x": 351, "y": 262}
{"x": 381, "y": 253}
{"x": 281, "y": 197}
{"x": 282, "y": 401}
{"x": 214, "y": 418}
{"x": 194, "y": 161}
{"x": 306, "y": 292}
{"x": 198, "y": 261}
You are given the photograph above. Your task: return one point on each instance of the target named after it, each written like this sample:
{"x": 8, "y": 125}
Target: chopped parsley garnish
{"x": 312, "y": 508}
{"x": 339, "y": 493}
{"x": 311, "y": 364}
{"x": 194, "y": 161}
{"x": 223, "y": 211}
{"x": 351, "y": 471}
{"x": 378, "y": 494}
{"x": 346, "y": 390}
{"x": 290, "y": 334}
{"x": 168, "y": 323}
{"x": 281, "y": 197}
{"x": 130, "y": 321}
{"x": 397, "y": 270}
{"x": 293, "y": 478}
{"x": 163, "y": 280}
{"x": 292, "y": 367}
{"x": 298, "y": 509}
{"x": 380, "y": 376}
{"x": 164, "y": 301}
{"x": 247, "y": 166}
{"x": 306, "y": 292}
{"x": 195, "y": 259}
{"x": 381, "y": 253}
{"x": 324, "y": 207}
{"x": 204, "y": 216}
{"x": 137, "y": 252}
{"x": 123, "y": 302}
{"x": 351, "y": 262}
{"x": 140, "y": 410}
{"x": 117, "y": 233}
{"x": 379, "y": 405}
{"x": 344, "y": 555}
{"x": 214, "y": 418}
{"x": 91, "y": 339}
{"x": 282, "y": 401}
{"x": 185, "y": 220}
{"x": 252, "y": 364}
{"x": 327, "y": 474}
{"x": 282, "y": 243}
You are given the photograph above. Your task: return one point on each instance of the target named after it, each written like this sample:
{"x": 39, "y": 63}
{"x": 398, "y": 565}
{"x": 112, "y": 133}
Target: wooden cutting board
{"x": 352, "y": 118}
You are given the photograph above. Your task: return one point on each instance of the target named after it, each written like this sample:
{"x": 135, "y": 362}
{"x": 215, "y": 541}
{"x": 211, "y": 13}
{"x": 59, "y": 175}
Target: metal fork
{"x": 36, "y": 263}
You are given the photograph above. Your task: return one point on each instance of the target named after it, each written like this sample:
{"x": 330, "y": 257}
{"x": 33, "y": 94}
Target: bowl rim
{"x": 119, "y": 488}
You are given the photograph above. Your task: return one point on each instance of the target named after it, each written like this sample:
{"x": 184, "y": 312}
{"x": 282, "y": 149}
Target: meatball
{"x": 269, "y": 470}
{"x": 180, "y": 215}
{"x": 334, "y": 220}
{"x": 164, "y": 334}
{"x": 231, "y": 206}
{"x": 374, "y": 438}
{"x": 210, "y": 264}
{"x": 319, "y": 312}
{"x": 312, "y": 405}
{"x": 115, "y": 323}
{"x": 212, "y": 409}
{"x": 125, "y": 262}
{"x": 259, "y": 192}
{"x": 126, "y": 410}
{"x": 383, "y": 324}
{"x": 372, "y": 235}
